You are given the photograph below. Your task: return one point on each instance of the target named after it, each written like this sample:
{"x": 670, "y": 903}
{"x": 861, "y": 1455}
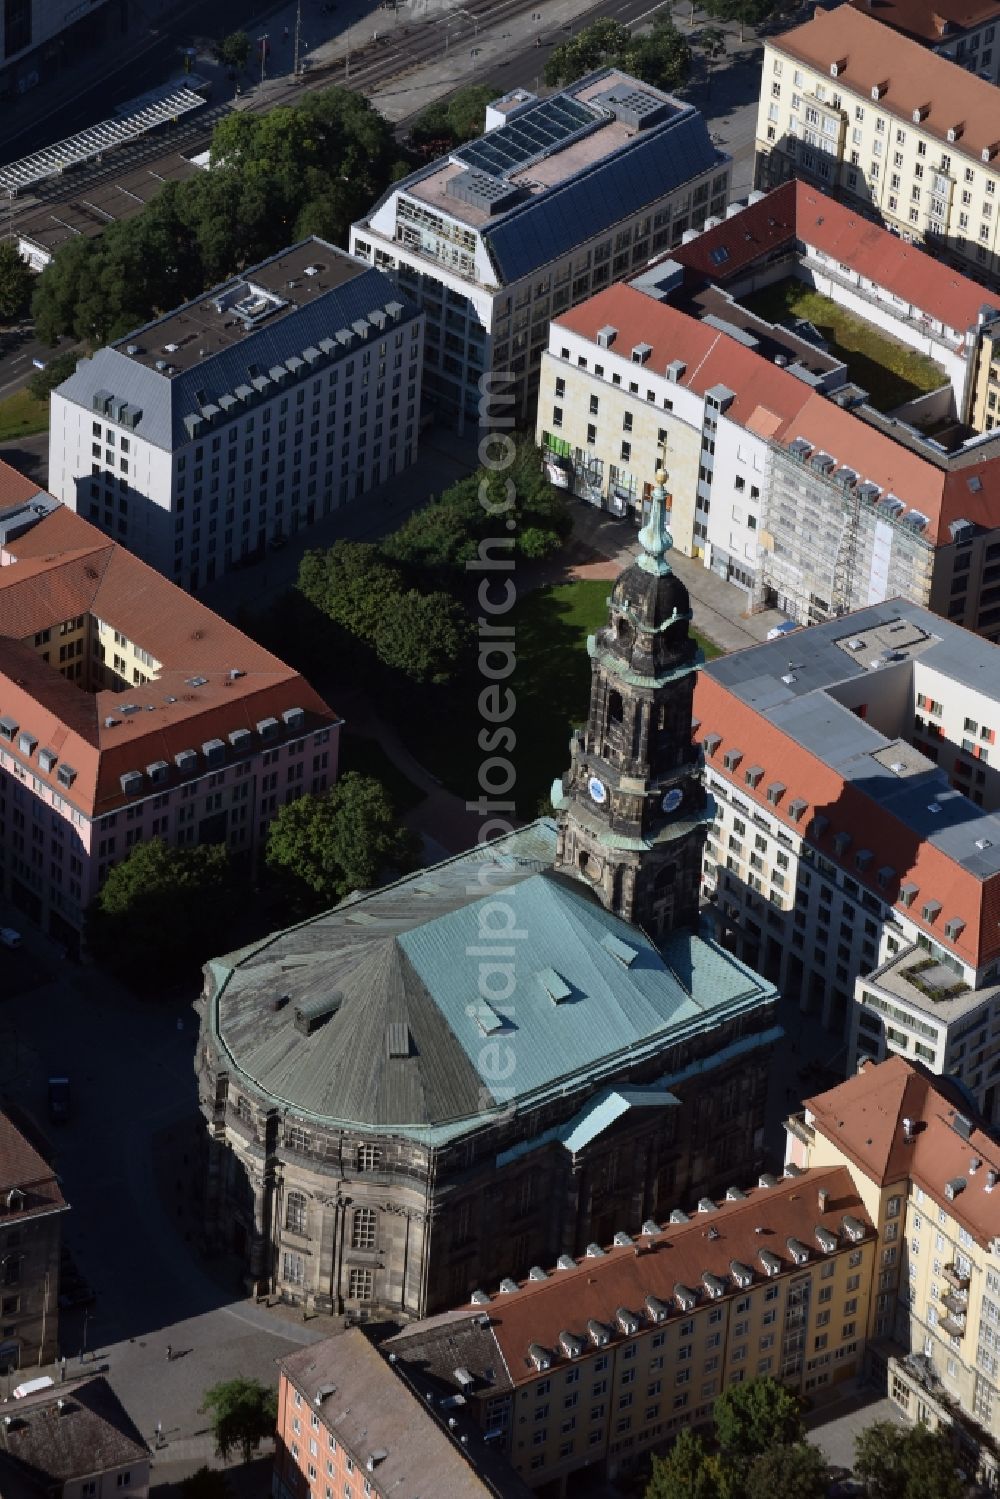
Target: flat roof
{"x": 87, "y": 212}
{"x": 230, "y": 313}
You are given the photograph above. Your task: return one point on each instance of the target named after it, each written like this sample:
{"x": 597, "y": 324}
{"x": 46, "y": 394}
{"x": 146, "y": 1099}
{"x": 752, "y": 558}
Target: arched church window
{"x": 616, "y": 708}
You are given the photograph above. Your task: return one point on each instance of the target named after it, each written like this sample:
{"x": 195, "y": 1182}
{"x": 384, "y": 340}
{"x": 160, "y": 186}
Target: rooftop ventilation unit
{"x": 981, "y": 843}
{"x": 313, "y": 1013}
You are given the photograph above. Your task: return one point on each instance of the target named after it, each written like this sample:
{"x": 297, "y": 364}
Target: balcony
{"x": 953, "y": 1326}
{"x": 954, "y": 1278}
{"x": 956, "y": 1301}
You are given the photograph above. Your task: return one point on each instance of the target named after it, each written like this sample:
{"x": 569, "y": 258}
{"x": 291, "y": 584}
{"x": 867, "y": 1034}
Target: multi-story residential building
{"x": 558, "y": 198}
{"x": 856, "y": 848}
{"x": 965, "y": 32}
{"x": 588, "y": 1363}
{"x": 404, "y": 1099}
{"x": 31, "y": 1209}
{"x": 37, "y": 38}
{"x": 925, "y": 1169}
{"x": 255, "y": 410}
{"x": 352, "y": 1422}
{"x": 72, "y": 1441}
{"x": 129, "y": 711}
{"x": 907, "y": 136}
{"x": 784, "y": 478}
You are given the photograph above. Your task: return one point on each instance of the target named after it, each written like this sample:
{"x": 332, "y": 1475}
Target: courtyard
{"x": 891, "y": 372}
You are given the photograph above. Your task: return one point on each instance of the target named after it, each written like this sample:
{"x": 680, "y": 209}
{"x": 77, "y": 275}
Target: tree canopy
{"x": 687, "y": 1472}
{"x": 449, "y": 122}
{"x": 659, "y": 55}
{"x": 243, "y": 1413}
{"x": 164, "y": 910}
{"x": 906, "y": 1462}
{"x": 15, "y": 281}
{"x": 347, "y": 838}
{"x": 797, "y": 1471}
{"x": 308, "y": 168}
{"x": 750, "y": 1418}
{"x": 58, "y": 369}
{"x": 206, "y": 1483}
{"x": 234, "y": 50}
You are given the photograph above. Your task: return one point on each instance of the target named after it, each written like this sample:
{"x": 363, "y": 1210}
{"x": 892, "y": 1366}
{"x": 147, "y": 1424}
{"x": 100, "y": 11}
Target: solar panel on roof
{"x": 548, "y": 124}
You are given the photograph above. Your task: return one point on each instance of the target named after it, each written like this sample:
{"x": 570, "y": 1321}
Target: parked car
{"x": 787, "y": 627}
{"x": 59, "y": 1099}
{"x": 9, "y": 938}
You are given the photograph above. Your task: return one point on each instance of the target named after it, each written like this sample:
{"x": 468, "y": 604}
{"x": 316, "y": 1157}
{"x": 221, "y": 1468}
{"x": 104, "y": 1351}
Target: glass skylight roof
{"x": 537, "y": 130}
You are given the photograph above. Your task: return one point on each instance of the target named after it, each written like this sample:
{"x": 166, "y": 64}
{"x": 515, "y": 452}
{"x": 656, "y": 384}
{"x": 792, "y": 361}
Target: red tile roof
{"x": 775, "y": 404}
{"x": 804, "y": 775}
{"x": 870, "y": 55}
{"x": 22, "y": 1167}
{"x": 64, "y": 567}
{"x": 540, "y": 1310}
{"x": 796, "y": 211}
{"x": 864, "y": 1118}
{"x": 15, "y": 489}
{"x": 930, "y": 21}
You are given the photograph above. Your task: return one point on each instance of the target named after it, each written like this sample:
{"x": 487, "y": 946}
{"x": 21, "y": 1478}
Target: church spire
{"x": 631, "y": 808}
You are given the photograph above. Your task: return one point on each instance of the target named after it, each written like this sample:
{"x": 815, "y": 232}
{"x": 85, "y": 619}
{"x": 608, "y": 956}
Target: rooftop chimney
{"x": 823, "y": 1196}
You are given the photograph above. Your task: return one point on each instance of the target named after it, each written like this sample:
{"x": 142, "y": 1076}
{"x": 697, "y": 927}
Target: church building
{"x": 518, "y": 1053}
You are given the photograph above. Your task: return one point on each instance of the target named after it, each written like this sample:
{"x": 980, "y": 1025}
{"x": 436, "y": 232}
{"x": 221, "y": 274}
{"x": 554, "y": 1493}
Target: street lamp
{"x": 262, "y": 44}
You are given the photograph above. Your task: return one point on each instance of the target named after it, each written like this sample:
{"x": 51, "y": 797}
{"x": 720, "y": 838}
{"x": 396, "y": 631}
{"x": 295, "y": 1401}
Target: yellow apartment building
{"x": 871, "y": 116}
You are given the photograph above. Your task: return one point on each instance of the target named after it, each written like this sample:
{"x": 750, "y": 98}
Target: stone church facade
{"x": 365, "y": 1151}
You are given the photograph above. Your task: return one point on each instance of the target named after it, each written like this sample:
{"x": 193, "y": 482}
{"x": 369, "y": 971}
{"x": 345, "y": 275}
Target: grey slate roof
{"x": 166, "y": 400}
{"x": 411, "y": 955}
{"x": 92, "y": 1434}
{"x": 792, "y": 682}
{"x": 654, "y": 163}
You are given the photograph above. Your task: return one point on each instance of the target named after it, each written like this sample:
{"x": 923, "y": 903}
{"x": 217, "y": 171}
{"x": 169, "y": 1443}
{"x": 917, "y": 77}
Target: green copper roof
{"x": 452, "y": 956}
{"x": 654, "y": 538}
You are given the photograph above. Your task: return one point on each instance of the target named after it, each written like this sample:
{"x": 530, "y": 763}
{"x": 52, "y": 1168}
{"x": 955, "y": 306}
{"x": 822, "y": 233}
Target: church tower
{"x": 632, "y": 810}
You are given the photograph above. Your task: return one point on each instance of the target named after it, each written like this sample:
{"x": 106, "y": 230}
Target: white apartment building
{"x": 784, "y": 478}
{"x": 244, "y": 416}
{"x": 908, "y": 136}
{"x": 558, "y": 198}
{"x": 855, "y": 857}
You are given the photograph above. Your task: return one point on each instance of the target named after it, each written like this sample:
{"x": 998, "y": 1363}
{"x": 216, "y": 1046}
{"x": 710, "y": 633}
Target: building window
{"x": 360, "y": 1285}
{"x": 369, "y": 1157}
{"x": 293, "y": 1269}
{"x": 363, "y": 1228}
{"x": 295, "y": 1213}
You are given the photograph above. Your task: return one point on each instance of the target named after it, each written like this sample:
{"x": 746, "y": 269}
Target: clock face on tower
{"x": 598, "y": 790}
{"x": 672, "y": 799}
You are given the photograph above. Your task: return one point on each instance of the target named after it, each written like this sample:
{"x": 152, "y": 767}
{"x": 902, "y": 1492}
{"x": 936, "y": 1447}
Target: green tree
{"x": 745, "y": 12}
{"x": 687, "y": 1472}
{"x": 243, "y": 1413}
{"x": 206, "y": 1483}
{"x": 712, "y": 41}
{"x": 660, "y": 56}
{"x": 15, "y": 281}
{"x": 55, "y": 372}
{"x": 900, "y": 1462}
{"x": 345, "y": 839}
{"x": 795, "y": 1472}
{"x": 234, "y": 50}
{"x": 460, "y": 118}
{"x": 753, "y": 1417}
{"x": 604, "y": 41}
{"x": 426, "y": 636}
{"x": 164, "y": 910}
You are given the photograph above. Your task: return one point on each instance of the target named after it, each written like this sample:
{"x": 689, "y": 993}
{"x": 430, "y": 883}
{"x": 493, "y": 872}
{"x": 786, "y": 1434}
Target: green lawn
{"x": 552, "y": 685}
{"x": 888, "y": 370}
{"x": 21, "y": 415}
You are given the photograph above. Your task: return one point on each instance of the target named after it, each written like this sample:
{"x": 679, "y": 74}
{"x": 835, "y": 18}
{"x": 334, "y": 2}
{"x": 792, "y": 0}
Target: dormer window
{"x": 755, "y": 775}
{"x": 732, "y": 758}
{"x": 954, "y": 927}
